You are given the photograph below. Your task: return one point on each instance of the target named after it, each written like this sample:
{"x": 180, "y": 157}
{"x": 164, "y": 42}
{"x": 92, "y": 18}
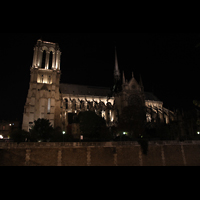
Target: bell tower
{"x": 43, "y": 100}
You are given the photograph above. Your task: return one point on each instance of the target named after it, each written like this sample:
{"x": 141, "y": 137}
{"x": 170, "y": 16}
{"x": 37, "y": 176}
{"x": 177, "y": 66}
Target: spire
{"x": 141, "y": 83}
{"x": 124, "y": 79}
{"x": 116, "y": 72}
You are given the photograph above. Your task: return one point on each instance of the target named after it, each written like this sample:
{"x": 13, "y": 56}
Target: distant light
{"x": 64, "y": 132}
{"x": 124, "y": 133}
{"x": 1, "y": 136}
{"x": 10, "y": 124}
{"x": 198, "y": 133}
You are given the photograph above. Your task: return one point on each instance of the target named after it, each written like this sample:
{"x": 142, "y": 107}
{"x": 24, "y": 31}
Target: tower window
{"x": 66, "y": 101}
{"x": 43, "y": 59}
{"x": 50, "y": 60}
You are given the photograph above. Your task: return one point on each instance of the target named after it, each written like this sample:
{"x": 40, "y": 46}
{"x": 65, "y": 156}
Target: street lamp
{"x": 63, "y": 136}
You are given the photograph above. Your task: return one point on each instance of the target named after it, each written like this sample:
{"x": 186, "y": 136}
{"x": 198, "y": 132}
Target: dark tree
{"x": 132, "y": 120}
{"x": 42, "y": 131}
{"x": 20, "y": 136}
{"x": 93, "y": 127}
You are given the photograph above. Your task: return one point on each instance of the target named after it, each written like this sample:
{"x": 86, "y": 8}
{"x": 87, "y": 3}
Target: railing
{"x": 90, "y": 144}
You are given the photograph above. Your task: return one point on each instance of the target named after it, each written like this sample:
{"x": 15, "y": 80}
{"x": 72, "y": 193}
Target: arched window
{"x": 74, "y": 104}
{"x": 81, "y": 104}
{"x": 50, "y": 60}
{"x": 66, "y": 101}
{"x": 44, "y": 59}
{"x": 88, "y": 105}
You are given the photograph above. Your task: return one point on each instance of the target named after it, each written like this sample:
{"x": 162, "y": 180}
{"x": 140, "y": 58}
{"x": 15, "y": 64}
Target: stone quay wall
{"x": 160, "y": 153}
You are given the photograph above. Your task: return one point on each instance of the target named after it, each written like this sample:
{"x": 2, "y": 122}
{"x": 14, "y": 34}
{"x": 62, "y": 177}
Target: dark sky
{"x": 168, "y": 63}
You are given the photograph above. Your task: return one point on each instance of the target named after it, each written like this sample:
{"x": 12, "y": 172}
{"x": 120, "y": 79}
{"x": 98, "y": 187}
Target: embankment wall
{"x": 160, "y": 153}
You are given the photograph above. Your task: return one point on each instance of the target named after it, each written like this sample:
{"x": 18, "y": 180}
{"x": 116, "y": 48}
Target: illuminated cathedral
{"x": 59, "y": 103}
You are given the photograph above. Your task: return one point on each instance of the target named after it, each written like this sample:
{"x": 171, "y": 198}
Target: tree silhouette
{"x": 93, "y": 127}
{"x": 41, "y": 131}
{"x": 132, "y": 120}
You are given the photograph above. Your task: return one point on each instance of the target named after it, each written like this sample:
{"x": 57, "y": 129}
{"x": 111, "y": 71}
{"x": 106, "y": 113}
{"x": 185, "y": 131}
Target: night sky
{"x": 168, "y": 63}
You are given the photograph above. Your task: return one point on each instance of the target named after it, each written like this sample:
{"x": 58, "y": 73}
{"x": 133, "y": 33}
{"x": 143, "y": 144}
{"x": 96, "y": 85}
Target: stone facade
{"x": 44, "y": 98}
{"x": 49, "y": 99}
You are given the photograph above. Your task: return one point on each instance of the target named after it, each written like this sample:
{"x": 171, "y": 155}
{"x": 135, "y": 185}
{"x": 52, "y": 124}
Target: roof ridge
{"x": 89, "y": 86}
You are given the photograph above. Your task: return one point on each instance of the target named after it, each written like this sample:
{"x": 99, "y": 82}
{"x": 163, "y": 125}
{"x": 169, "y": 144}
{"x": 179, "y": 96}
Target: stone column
{"x": 78, "y": 104}
{"x": 58, "y": 60}
{"x": 53, "y": 61}
{"x": 47, "y": 60}
{"x": 112, "y": 115}
{"x": 39, "y": 61}
{"x": 35, "y": 56}
{"x": 86, "y": 104}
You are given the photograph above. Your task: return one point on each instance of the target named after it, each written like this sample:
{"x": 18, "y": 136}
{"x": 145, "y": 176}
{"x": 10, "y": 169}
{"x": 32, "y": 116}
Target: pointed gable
{"x": 133, "y": 85}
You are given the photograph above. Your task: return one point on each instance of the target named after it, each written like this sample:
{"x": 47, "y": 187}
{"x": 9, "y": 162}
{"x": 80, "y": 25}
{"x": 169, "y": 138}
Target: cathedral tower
{"x": 43, "y": 99}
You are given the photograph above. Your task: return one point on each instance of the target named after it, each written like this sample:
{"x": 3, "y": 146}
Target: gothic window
{"x": 148, "y": 117}
{"x": 88, "y": 106}
{"x": 50, "y": 60}
{"x": 66, "y": 101}
{"x": 81, "y": 104}
{"x": 43, "y": 59}
{"x": 74, "y": 104}
{"x": 95, "y": 105}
